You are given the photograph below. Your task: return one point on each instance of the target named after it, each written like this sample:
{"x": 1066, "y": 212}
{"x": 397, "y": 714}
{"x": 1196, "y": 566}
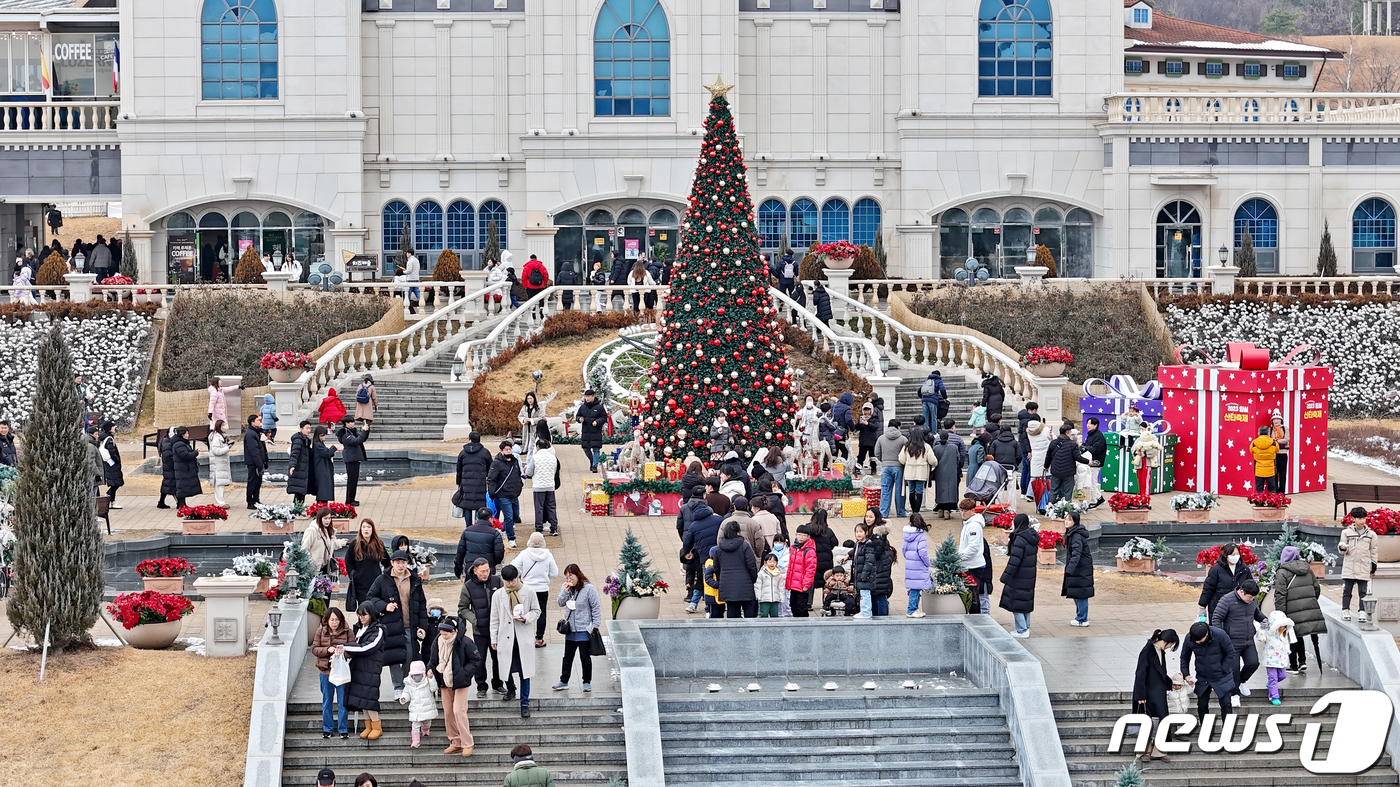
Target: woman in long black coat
{"x": 299, "y": 478}
{"x": 1152, "y": 681}
{"x": 738, "y": 570}
{"x": 112, "y": 471}
{"x": 1018, "y": 579}
{"x": 186, "y": 464}
{"x": 993, "y": 395}
{"x": 365, "y": 560}
{"x": 366, "y": 657}
{"x": 821, "y": 299}
{"x": 1222, "y": 579}
{"x": 323, "y": 466}
{"x": 1079, "y": 570}
{"x": 167, "y": 467}
{"x": 401, "y": 644}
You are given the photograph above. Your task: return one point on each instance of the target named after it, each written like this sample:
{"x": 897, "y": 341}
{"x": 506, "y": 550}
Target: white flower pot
{"x": 154, "y": 636}
{"x": 643, "y": 608}
{"x": 942, "y": 604}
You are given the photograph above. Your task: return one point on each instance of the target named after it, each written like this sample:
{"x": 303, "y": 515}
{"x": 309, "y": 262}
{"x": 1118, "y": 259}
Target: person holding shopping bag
{"x": 583, "y": 618}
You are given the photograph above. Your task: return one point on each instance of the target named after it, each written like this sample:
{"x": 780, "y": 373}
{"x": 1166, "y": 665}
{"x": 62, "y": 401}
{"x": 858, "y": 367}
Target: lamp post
{"x": 80, "y": 262}
{"x": 1224, "y": 255}
{"x": 538, "y": 374}
{"x": 1370, "y": 606}
{"x": 274, "y": 619}
{"x": 1030, "y": 254}
{"x": 458, "y": 367}
{"x": 277, "y": 260}
{"x": 884, "y": 364}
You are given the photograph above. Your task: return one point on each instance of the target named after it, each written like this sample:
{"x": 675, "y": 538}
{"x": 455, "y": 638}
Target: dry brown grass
{"x": 123, "y": 717}
{"x": 562, "y": 361}
{"x": 1373, "y": 437}
{"x": 87, "y": 228}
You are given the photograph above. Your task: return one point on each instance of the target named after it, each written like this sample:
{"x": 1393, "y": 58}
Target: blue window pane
{"x": 986, "y": 87}
{"x": 661, "y": 87}
{"x": 985, "y": 32}
{"x": 210, "y": 52}
{"x": 624, "y": 69}
{"x": 986, "y": 49}
{"x": 641, "y": 50}
{"x": 987, "y": 68}
{"x": 602, "y": 49}
{"x": 268, "y": 71}
{"x": 269, "y": 90}
{"x": 229, "y": 32}
{"x": 267, "y": 32}
{"x": 461, "y": 226}
{"x": 661, "y": 49}
{"x": 1025, "y": 87}
{"x": 248, "y": 33}
{"x": 602, "y": 68}
{"x": 1040, "y": 8}
{"x": 213, "y": 9}
{"x": 1043, "y": 50}
{"x": 622, "y": 50}
{"x": 210, "y": 71}
{"x": 1024, "y": 50}
{"x": 602, "y": 87}
{"x": 1006, "y": 87}
{"x": 267, "y": 52}
{"x": 622, "y": 87}
{"x": 602, "y": 107}
{"x": 250, "y": 90}
{"x": 1024, "y": 68}
{"x": 211, "y": 90}
{"x": 865, "y": 220}
{"x": 1023, "y": 31}
{"x": 248, "y": 51}
{"x": 209, "y": 33}
{"x": 230, "y": 71}
{"x": 661, "y": 68}
{"x": 248, "y": 71}
{"x": 230, "y": 90}
{"x": 1042, "y": 87}
{"x": 641, "y": 106}
{"x": 1042, "y": 31}
{"x": 1006, "y": 68}
{"x": 264, "y": 10}
{"x": 1042, "y": 68}
{"x": 622, "y": 106}
{"x": 661, "y": 107}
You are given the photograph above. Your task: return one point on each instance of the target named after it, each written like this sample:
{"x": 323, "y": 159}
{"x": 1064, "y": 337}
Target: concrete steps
{"x": 957, "y": 738}
{"x": 580, "y": 741}
{"x": 1085, "y": 721}
{"x": 963, "y": 395}
{"x": 409, "y": 409}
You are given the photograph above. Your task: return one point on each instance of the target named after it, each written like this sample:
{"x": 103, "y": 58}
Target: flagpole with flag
{"x": 43, "y": 69}
{"x": 116, "y": 67}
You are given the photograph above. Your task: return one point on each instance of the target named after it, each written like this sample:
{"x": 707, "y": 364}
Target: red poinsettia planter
{"x": 200, "y": 520}
{"x": 1269, "y": 506}
{"x": 165, "y": 575}
{"x": 342, "y": 515}
{"x": 152, "y": 620}
{"x": 1131, "y": 509}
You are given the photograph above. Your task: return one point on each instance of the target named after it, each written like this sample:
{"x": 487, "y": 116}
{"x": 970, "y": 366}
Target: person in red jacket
{"x": 332, "y": 410}
{"x": 534, "y": 277}
{"x": 802, "y": 571}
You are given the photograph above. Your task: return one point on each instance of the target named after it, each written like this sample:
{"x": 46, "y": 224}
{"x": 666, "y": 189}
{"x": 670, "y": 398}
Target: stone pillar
{"x": 80, "y": 286}
{"x": 225, "y": 614}
{"x": 233, "y": 401}
{"x": 839, "y": 282}
{"x": 442, "y": 30}
{"x": 500, "y": 89}
{"x": 458, "y": 411}
{"x": 386, "y": 88}
{"x": 762, "y": 89}
{"x": 539, "y": 241}
{"x": 1222, "y": 279}
{"x": 909, "y": 58}
{"x": 146, "y": 272}
{"x": 351, "y": 239}
{"x": 885, "y": 388}
{"x": 1049, "y": 392}
{"x": 819, "y": 91}
{"x": 277, "y": 281}
{"x": 877, "y": 88}
{"x": 288, "y": 398}
{"x": 354, "y": 85}
{"x": 1032, "y": 275}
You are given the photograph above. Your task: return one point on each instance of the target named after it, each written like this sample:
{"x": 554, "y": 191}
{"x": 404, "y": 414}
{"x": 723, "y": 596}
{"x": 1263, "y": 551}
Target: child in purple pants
{"x": 1278, "y": 637}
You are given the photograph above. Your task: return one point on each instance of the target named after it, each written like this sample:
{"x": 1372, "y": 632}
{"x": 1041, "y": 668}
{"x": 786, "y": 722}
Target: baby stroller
{"x": 990, "y": 484}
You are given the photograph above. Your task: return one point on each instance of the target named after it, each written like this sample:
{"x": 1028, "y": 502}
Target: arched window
{"x": 1078, "y": 244}
{"x": 803, "y": 216}
{"x": 461, "y": 226}
{"x": 954, "y": 238}
{"x": 568, "y": 242}
{"x": 1015, "y": 238}
{"x": 772, "y": 223}
{"x": 600, "y": 218}
{"x": 1014, "y": 48}
{"x": 662, "y": 218}
{"x": 395, "y": 216}
{"x": 632, "y": 217}
{"x": 1258, "y": 218}
{"x": 631, "y": 60}
{"x": 492, "y": 210}
{"x": 427, "y": 226}
{"x": 836, "y": 220}
{"x": 1178, "y": 241}
{"x": 1373, "y": 237}
{"x": 238, "y": 46}
{"x": 865, "y": 221}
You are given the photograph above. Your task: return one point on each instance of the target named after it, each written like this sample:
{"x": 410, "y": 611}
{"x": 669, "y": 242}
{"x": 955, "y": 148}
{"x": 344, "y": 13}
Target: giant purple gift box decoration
{"x": 1122, "y": 391}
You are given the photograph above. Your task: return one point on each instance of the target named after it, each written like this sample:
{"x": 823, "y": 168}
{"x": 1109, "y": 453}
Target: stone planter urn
{"x": 1045, "y": 557}
{"x": 1319, "y": 568}
{"x": 283, "y": 375}
{"x": 1187, "y": 515}
{"x": 1132, "y": 516}
{"x": 1388, "y": 549}
{"x": 838, "y": 263}
{"x": 341, "y": 525}
{"x": 1144, "y": 565}
{"x": 1269, "y": 514}
{"x": 1046, "y": 369}
{"x": 197, "y": 527}
{"x": 942, "y": 604}
{"x": 276, "y": 527}
{"x": 995, "y": 535}
{"x": 639, "y": 608}
{"x": 174, "y": 586}
{"x": 154, "y": 636}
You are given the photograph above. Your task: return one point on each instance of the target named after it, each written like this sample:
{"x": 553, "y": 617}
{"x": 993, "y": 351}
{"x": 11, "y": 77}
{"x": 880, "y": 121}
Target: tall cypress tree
{"x": 1326, "y": 254}
{"x": 722, "y": 347}
{"x": 58, "y": 555}
{"x": 128, "y": 265}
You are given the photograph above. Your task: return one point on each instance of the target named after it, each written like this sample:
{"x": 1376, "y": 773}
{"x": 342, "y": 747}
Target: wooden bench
{"x": 1362, "y": 493}
{"x": 198, "y": 433}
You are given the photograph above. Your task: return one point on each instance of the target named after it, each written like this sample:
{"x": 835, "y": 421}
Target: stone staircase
{"x": 411, "y": 406}
{"x": 963, "y": 395}
{"x": 580, "y": 741}
{"x": 896, "y": 737}
{"x": 1086, "y": 719}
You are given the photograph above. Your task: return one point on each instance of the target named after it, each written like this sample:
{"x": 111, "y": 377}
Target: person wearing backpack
{"x": 567, "y": 278}
{"x": 366, "y": 403}
{"x": 934, "y": 397}
{"x": 639, "y": 277}
{"x": 787, "y": 274}
{"x": 534, "y": 277}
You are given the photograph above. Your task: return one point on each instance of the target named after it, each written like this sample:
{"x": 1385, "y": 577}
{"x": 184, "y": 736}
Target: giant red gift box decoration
{"x": 1217, "y": 410}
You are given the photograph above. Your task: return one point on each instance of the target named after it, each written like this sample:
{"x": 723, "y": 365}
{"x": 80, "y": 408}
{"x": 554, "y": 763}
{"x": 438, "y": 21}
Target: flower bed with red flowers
{"x": 118, "y": 279}
{"x": 1269, "y": 500}
{"x": 840, "y": 249}
{"x": 1209, "y": 557}
{"x": 289, "y": 359}
{"x": 164, "y": 567}
{"x": 135, "y": 609}
{"x": 338, "y": 510}
{"x": 1037, "y": 355}
{"x": 1004, "y": 521}
{"x": 1122, "y": 501}
{"x": 1049, "y": 539}
{"x": 202, "y": 512}
{"x": 1382, "y": 521}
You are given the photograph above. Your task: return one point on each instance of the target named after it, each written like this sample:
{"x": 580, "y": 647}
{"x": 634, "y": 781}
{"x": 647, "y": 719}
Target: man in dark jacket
{"x": 822, "y": 300}
{"x": 8, "y": 455}
{"x": 299, "y": 479}
{"x": 473, "y": 463}
{"x": 593, "y": 416}
{"x": 1236, "y": 615}
{"x": 695, "y": 547}
{"x": 843, "y": 416}
{"x": 786, "y": 271}
{"x": 474, "y": 610}
{"x": 621, "y": 267}
{"x": 504, "y": 482}
{"x": 254, "y": 459}
{"x": 950, "y": 426}
{"x": 405, "y": 616}
{"x": 1079, "y": 570}
{"x": 479, "y": 541}
{"x": 1023, "y": 419}
{"x": 1062, "y": 459}
{"x": 1005, "y": 450}
{"x": 694, "y": 496}
{"x": 1214, "y": 656}
{"x": 933, "y": 396}
{"x": 353, "y": 442}
{"x": 566, "y": 278}
{"x": 1097, "y": 447}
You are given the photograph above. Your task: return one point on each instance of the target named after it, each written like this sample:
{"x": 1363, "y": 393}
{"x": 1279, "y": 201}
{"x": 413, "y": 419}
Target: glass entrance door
{"x": 1178, "y": 242}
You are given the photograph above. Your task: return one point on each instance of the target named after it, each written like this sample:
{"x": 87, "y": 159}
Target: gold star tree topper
{"x": 718, "y": 89}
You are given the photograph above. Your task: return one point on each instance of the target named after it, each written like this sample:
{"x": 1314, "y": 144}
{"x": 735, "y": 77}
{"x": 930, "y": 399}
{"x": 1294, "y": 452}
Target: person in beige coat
{"x": 918, "y": 459}
{"x": 1360, "y": 550}
{"x": 364, "y": 411}
{"x": 513, "y": 613}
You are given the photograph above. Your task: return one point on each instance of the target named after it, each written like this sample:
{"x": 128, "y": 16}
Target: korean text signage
{"x": 1358, "y": 740}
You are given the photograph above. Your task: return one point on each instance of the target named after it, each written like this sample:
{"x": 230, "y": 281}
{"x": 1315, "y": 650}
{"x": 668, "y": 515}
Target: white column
{"x": 908, "y": 58}
{"x": 877, "y": 87}
{"x": 534, "y": 63}
{"x": 225, "y": 614}
{"x": 80, "y": 286}
{"x": 539, "y": 241}
{"x": 442, "y": 28}
{"x": 819, "y": 88}
{"x": 288, "y": 399}
{"x": 839, "y": 282}
{"x": 354, "y": 87}
{"x": 1049, "y": 392}
{"x": 386, "y": 88}
{"x": 885, "y": 388}
{"x": 763, "y": 57}
{"x": 500, "y": 65}
{"x": 145, "y": 267}
{"x": 458, "y": 425}
{"x": 573, "y": 72}
{"x": 277, "y": 281}
{"x": 351, "y": 239}
{"x": 917, "y": 262}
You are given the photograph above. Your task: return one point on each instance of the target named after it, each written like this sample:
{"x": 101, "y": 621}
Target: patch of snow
{"x": 107, "y": 642}
{"x": 1365, "y": 461}
{"x": 275, "y": 477}
{"x": 195, "y": 645}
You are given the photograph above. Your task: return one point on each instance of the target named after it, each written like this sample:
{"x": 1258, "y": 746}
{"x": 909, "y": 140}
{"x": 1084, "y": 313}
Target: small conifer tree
{"x": 249, "y": 269}
{"x": 1045, "y": 259}
{"x": 1326, "y": 255}
{"x": 493, "y": 243}
{"x": 1244, "y": 257}
{"x": 128, "y": 265}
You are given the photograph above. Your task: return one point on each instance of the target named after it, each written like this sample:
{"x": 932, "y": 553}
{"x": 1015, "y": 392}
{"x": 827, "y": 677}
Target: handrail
{"x": 1257, "y": 107}
{"x": 932, "y": 348}
{"x": 404, "y": 350}
{"x": 861, "y": 354}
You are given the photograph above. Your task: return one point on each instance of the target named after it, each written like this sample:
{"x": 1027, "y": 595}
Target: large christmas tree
{"x": 721, "y": 350}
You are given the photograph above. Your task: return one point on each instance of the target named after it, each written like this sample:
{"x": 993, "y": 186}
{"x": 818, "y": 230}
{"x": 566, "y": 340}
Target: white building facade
{"x": 1127, "y": 143}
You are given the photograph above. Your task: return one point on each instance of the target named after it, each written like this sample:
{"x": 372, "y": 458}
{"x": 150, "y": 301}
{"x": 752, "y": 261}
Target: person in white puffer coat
{"x": 537, "y": 567}
{"x": 419, "y": 695}
{"x": 1039, "y": 434}
{"x": 543, "y": 469}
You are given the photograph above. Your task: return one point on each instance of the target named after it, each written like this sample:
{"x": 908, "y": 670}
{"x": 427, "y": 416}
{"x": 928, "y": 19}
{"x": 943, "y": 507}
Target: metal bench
{"x": 1362, "y": 493}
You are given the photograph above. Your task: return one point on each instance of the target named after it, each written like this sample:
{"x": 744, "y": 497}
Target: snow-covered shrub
{"x": 107, "y": 352}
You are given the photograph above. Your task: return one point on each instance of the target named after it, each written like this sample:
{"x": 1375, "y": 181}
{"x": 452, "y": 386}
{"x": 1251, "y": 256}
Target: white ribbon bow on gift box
{"x": 1123, "y": 386}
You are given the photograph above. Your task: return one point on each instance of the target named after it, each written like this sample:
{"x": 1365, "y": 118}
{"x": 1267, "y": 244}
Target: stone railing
{"x": 1254, "y": 108}
{"x": 273, "y": 679}
{"x": 859, "y": 353}
{"x": 1322, "y": 285}
{"x": 75, "y": 116}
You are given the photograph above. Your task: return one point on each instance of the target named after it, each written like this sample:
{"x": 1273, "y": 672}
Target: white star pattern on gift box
{"x": 1229, "y": 443}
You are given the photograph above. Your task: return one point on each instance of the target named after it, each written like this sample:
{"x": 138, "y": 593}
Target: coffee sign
{"x": 73, "y": 53}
